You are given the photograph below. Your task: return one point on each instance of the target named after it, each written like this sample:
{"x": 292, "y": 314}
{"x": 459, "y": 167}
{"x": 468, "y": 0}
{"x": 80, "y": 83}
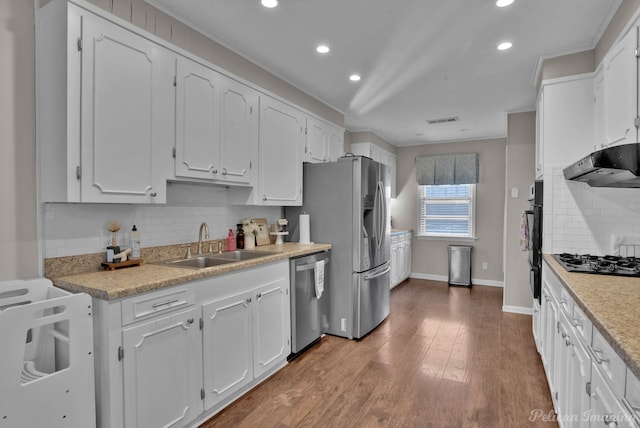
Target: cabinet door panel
{"x": 316, "y": 141}
{"x": 606, "y": 409}
{"x": 125, "y": 80}
{"x": 197, "y": 121}
{"x": 335, "y": 144}
{"x": 239, "y": 138}
{"x": 620, "y": 91}
{"x": 271, "y": 338}
{"x": 227, "y": 342}
{"x": 163, "y": 371}
{"x": 281, "y": 146}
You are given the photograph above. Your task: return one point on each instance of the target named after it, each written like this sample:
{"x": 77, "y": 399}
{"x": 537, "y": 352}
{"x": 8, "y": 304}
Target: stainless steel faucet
{"x": 206, "y": 236}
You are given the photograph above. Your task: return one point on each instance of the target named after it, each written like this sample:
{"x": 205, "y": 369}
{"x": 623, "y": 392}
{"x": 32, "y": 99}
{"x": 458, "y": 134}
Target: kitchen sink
{"x": 218, "y": 259}
{"x": 198, "y": 262}
{"x": 242, "y": 255}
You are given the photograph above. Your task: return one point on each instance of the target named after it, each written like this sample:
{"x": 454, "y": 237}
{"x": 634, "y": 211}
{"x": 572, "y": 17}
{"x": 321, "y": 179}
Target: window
{"x": 446, "y": 210}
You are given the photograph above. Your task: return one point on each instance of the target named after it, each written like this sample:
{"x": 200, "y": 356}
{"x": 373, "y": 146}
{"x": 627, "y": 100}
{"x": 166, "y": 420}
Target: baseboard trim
{"x": 517, "y": 310}
{"x": 445, "y": 278}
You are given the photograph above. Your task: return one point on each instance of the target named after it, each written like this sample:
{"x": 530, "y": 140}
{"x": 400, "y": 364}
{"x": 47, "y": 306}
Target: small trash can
{"x": 460, "y": 265}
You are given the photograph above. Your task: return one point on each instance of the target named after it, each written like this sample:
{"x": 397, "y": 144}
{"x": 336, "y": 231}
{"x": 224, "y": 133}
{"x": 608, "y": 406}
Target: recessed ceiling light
{"x": 269, "y": 3}
{"x": 504, "y": 46}
{"x": 323, "y": 49}
{"x": 354, "y": 77}
{"x": 503, "y": 3}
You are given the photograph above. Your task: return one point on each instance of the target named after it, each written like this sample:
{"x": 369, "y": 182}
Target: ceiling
{"x": 419, "y": 59}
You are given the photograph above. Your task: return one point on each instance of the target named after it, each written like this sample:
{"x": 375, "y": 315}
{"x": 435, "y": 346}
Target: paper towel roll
{"x": 304, "y": 229}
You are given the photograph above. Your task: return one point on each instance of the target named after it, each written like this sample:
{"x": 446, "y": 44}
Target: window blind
{"x": 447, "y": 169}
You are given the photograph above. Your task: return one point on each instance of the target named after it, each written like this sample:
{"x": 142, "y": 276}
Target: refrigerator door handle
{"x": 383, "y": 207}
{"x": 376, "y": 215}
{"x": 387, "y": 268}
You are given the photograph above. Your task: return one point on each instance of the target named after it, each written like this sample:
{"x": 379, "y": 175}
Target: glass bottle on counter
{"x": 240, "y": 237}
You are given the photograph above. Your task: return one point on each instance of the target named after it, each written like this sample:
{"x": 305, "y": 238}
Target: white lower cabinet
{"x": 176, "y": 356}
{"x": 244, "y": 336}
{"x": 162, "y": 371}
{"x": 227, "y": 340}
{"x": 400, "y": 257}
{"x": 270, "y": 326}
{"x": 586, "y": 377}
{"x": 606, "y": 408}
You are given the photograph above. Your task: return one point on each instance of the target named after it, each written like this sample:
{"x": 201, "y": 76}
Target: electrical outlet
{"x": 343, "y": 324}
{"x": 485, "y": 265}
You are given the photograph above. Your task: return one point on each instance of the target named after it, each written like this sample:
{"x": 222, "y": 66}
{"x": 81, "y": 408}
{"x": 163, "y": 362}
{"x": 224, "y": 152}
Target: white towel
{"x": 319, "y": 277}
{"x": 524, "y": 232}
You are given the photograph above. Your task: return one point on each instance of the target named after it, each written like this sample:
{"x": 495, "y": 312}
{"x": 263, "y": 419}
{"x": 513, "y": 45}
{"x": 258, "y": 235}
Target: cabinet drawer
{"x": 565, "y": 301}
{"x": 609, "y": 363}
{"x": 552, "y": 281}
{"x": 582, "y": 324}
{"x": 632, "y": 396}
{"x": 148, "y": 305}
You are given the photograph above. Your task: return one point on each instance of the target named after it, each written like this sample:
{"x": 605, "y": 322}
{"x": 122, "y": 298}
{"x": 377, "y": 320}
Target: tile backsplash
{"x": 74, "y": 229}
{"x": 583, "y": 219}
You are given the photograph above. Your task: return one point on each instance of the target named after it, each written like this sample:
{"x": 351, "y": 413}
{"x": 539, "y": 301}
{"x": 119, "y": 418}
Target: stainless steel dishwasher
{"x": 308, "y": 312}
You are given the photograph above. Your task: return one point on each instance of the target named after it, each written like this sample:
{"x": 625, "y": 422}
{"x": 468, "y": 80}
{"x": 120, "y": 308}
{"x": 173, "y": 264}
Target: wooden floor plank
{"x": 445, "y": 357}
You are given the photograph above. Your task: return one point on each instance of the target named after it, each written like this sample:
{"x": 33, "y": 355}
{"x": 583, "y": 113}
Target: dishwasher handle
{"x": 309, "y": 266}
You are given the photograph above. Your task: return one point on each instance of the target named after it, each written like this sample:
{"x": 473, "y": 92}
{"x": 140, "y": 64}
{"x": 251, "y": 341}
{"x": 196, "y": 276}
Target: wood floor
{"x": 445, "y": 357}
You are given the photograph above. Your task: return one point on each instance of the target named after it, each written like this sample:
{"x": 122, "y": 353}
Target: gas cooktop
{"x": 603, "y": 265}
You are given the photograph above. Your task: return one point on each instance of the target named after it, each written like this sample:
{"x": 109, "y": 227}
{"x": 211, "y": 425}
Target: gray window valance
{"x": 447, "y": 169}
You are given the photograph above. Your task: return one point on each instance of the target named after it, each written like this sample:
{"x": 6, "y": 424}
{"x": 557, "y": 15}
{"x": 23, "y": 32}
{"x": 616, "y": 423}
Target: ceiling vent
{"x": 443, "y": 120}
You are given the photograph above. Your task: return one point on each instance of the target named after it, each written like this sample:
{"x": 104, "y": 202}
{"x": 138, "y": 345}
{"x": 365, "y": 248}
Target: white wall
{"x": 583, "y": 219}
{"x": 520, "y": 174}
{"x": 18, "y": 235}
{"x": 73, "y": 229}
{"x": 429, "y": 256}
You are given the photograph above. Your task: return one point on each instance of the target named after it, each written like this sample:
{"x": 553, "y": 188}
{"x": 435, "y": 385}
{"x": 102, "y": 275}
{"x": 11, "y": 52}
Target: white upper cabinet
{"x": 598, "y": 109}
{"x": 539, "y": 136}
{"x": 621, "y": 92}
{"x": 197, "y": 121}
{"x": 325, "y": 142}
{"x": 280, "y": 154}
{"x": 335, "y": 143}
{"x": 216, "y": 125}
{"x": 239, "y": 132}
{"x": 105, "y": 110}
{"x": 564, "y": 121}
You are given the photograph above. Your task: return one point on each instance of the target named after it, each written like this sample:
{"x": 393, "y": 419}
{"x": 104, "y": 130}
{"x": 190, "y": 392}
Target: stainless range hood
{"x": 617, "y": 166}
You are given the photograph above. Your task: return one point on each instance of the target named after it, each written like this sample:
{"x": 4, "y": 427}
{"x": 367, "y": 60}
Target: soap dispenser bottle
{"x": 240, "y": 238}
{"x": 231, "y": 241}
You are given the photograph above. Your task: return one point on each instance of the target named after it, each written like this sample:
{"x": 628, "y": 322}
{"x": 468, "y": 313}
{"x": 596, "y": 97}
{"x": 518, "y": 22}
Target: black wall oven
{"x": 534, "y": 220}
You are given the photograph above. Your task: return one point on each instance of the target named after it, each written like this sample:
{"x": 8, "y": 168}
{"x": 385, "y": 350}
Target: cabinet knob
{"x": 190, "y": 320}
{"x": 264, "y": 197}
{"x": 259, "y": 296}
{"x": 153, "y": 194}
{"x": 214, "y": 171}
{"x": 224, "y": 171}
{"x": 249, "y": 300}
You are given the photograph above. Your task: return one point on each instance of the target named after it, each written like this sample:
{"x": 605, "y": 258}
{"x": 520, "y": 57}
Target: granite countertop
{"x": 612, "y": 303}
{"x": 400, "y": 231}
{"x": 111, "y": 285}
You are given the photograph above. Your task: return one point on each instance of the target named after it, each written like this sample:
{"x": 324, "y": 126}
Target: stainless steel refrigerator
{"x": 348, "y": 206}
